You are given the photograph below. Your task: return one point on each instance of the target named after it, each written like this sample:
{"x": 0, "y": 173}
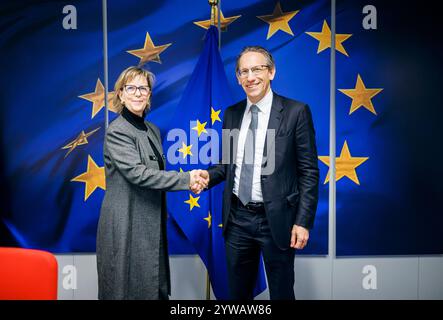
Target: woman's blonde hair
{"x": 127, "y": 75}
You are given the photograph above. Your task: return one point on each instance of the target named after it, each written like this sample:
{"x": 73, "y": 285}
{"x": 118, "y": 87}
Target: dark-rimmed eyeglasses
{"x": 257, "y": 70}
{"x": 130, "y": 89}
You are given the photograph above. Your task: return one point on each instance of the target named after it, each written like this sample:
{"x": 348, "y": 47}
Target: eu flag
{"x": 194, "y": 141}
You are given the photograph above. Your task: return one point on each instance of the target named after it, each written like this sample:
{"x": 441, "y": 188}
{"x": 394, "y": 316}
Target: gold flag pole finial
{"x": 213, "y": 4}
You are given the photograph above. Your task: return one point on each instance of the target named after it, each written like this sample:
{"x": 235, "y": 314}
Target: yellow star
{"x": 149, "y": 52}
{"x": 345, "y": 165}
{"x": 181, "y": 170}
{"x": 209, "y": 219}
{"x": 200, "y": 127}
{"x": 224, "y": 22}
{"x": 324, "y": 38}
{"x": 215, "y": 115}
{"x": 220, "y": 225}
{"x": 361, "y": 96}
{"x": 98, "y": 98}
{"x": 279, "y": 20}
{"x": 94, "y": 178}
{"x": 193, "y": 202}
{"x": 186, "y": 150}
{"x": 80, "y": 140}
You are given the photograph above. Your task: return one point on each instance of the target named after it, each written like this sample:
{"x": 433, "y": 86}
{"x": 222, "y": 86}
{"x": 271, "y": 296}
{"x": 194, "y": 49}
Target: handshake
{"x": 199, "y": 180}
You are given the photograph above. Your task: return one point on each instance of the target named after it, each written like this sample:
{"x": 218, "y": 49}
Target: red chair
{"x": 27, "y": 274}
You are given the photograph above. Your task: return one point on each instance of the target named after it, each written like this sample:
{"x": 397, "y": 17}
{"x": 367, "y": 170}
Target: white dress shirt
{"x": 264, "y": 106}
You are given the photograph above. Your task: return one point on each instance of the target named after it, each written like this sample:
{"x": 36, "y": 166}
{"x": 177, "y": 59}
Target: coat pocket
{"x": 293, "y": 198}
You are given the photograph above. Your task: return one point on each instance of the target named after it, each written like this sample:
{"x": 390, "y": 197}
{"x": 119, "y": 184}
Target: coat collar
{"x": 150, "y": 133}
{"x": 156, "y": 140}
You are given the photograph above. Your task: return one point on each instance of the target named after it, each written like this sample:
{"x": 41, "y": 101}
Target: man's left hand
{"x": 299, "y": 237}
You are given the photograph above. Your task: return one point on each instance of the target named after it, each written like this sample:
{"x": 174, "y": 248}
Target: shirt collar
{"x": 264, "y": 105}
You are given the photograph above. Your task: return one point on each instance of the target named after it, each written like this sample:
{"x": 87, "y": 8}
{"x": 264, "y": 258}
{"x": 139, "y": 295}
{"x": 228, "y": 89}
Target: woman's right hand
{"x": 199, "y": 180}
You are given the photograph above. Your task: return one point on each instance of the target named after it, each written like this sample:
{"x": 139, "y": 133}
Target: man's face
{"x": 255, "y": 77}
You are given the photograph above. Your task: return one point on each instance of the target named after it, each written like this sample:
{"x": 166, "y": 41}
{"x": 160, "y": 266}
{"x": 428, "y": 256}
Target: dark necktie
{"x": 247, "y": 169}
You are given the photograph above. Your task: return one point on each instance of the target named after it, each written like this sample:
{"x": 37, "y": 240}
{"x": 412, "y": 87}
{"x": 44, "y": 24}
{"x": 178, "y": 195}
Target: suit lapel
{"x": 155, "y": 140}
{"x": 235, "y": 124}
{"x": 274, "y": 123}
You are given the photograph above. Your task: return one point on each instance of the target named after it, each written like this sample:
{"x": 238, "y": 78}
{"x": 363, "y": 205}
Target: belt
{"x": 251, "y": 206}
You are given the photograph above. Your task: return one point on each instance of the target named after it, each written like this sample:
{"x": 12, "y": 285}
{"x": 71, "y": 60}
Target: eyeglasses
{"x": 244, "y": 73}
{"x": 144, "y": 90}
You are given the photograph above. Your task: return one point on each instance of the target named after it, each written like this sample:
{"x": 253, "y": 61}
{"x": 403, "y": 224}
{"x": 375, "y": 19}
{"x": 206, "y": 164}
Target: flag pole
{"x": 219, "y": 24}
{"x": 332, "y": 246}
{"x": 215, "y": 5}
{"x": 105, "y": 58}
{"x": 208, "y": 286}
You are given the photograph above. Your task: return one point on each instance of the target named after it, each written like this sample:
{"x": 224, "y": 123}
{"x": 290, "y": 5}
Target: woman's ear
{"x": 120, "y": 95}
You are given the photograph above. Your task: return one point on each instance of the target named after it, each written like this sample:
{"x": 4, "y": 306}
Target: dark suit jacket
{"x": 290, "y": 193}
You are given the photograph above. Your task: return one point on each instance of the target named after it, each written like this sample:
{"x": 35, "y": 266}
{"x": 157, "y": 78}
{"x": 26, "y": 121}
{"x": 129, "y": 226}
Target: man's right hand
{"x": 199, "y": 180}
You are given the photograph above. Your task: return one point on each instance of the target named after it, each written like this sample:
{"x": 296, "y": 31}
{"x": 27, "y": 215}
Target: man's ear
{"x": 238, "y": 79}
{"x": 272, "y": 74}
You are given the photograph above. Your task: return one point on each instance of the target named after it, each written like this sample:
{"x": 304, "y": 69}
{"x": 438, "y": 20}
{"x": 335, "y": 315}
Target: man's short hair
{"x": 269, "y": 59}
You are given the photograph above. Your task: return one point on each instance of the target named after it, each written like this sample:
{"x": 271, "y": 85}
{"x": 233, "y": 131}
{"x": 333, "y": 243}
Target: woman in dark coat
{"x": 132, "y": 256}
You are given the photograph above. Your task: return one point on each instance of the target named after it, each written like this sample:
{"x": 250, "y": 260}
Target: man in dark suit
{"x": 271, "y": 191}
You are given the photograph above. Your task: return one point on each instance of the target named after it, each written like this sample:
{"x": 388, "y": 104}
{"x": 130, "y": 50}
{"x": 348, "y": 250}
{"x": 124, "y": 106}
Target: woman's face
{"x": 135, "y": 95}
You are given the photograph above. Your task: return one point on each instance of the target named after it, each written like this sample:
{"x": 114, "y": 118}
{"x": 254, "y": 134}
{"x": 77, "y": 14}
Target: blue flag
{"x": 194, "y": 141}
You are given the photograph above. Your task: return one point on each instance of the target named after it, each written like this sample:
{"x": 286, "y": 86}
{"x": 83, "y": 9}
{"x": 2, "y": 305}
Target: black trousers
{"x": 247, "y": 236}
